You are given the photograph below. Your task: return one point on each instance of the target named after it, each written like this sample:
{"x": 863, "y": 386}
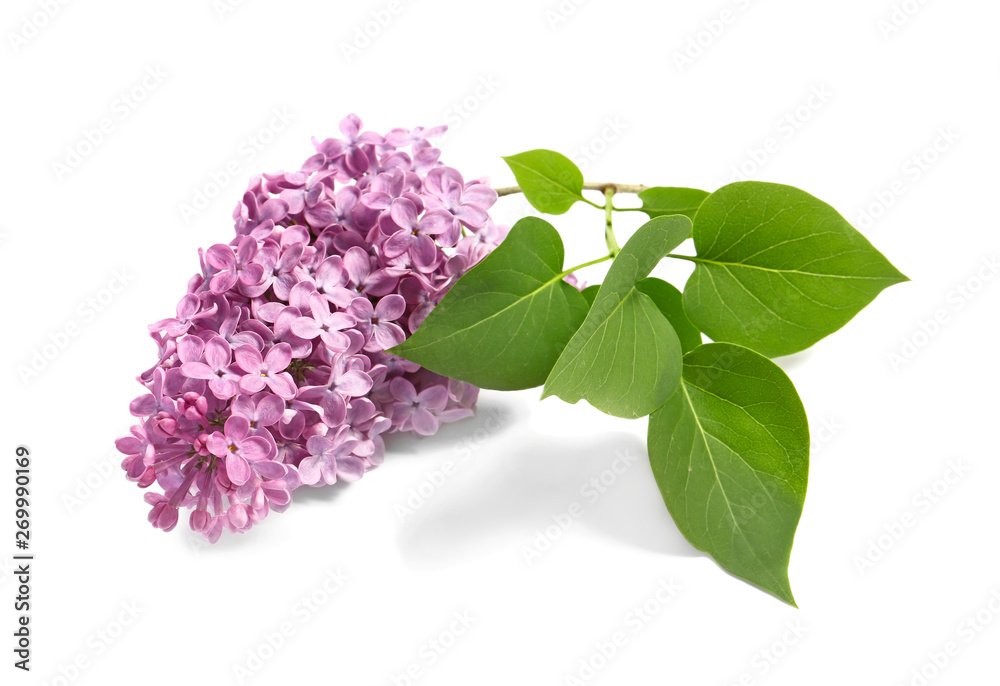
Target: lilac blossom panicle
{"x": 273, "y": 373}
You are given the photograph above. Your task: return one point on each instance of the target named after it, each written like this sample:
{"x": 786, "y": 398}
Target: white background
{"x": 601, "y": 82}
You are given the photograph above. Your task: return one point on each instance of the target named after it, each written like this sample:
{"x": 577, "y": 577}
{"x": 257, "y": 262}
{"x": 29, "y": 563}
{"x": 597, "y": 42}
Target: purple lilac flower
{"x": 273, "y": 375}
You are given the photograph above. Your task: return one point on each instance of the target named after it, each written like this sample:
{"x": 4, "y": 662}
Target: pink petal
{"x": 254, "y": 448}
{"x": 190, "y": 349}
{"x": 357, "y": 160}
{"x": 197, "y": 370}
{"x": 278, "y": 357}
{"x": 480, "y": 194}
{"x": 350, "y": 468}
{"x": 273, "y": 209}
{"x": 223, "y": 388}
{"x": 404, "y": 213}
{"x": 188, "y": 307}
{"x": 424, "y": 423}
{"x": 243, "y": 406}
{"x": 143, "y": 406}
{"x": 223, "y": 281}
{"x": 380, "y": 283}
{"x": 398, "y": 243}
{"x": 236, "y": 427}
{"x": 424, "y": 251}
{"x": 249, "y": 359}
{"x": 390, "y": 308}
{"x": 435, "y": 397}
{"x": 436, "y": 221}
{"x": 350, "y": 126}
{"x": 238, "y": 513}
{"x": 237, "y": 469}
{"x": 246, "y": 250}
{"x": 386, "y": 335}
{"x": 306, "y": 327}
{"x": 252, "y": 383}
{"x": 283, "y": 385}
{"x": 331, "y": 272}
{"x": 340, "y": 320}
{"x": 269, "y": 410}
{"x": 358, "y": 264}
{"x": 402, "y": 390}
{"x": 277, "y": 496}
{"x": 328, "y": 467}
{"x": 252, "y": 274}
{"x": 309, "y": 471}
{"x": 129, "y": 445}
{"x": 217, "y": 352}
{"x": 335, "y": 340}
{"x": 221, "y": 257}
{"x": 334, "y": 408}
{"x": 354, "y": 383}
{"x": 321, "y": 216}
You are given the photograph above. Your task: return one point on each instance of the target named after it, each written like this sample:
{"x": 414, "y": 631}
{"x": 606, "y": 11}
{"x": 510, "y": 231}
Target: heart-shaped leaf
{"x": 730, "y": 453}
{"x": 665, "y": 200}
{"x": 549, "y": 180}
{"x": 671, "y": 304}
{"x": 777, "y": 269}
{"x": 504, "y": 323}
{"x": 625, "y": 359}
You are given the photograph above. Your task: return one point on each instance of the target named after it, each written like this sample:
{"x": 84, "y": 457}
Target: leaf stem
{"x": 578, "y": 267}
{"x": 588, "y": 186}
{"x": 609, "y": 232}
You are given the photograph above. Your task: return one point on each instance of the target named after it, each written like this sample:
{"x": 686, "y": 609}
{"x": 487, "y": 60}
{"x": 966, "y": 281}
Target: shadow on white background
{"x": 510, "y": 495}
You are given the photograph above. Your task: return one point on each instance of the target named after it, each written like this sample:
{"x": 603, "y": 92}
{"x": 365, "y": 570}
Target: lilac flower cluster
{"x": 273, "y": 374}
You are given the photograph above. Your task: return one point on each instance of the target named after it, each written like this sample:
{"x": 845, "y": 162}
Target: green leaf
{"x": 670, "y": 301}
{"x": 590, "y": 292}
{"x": 504, "y": 323}
{"x": 777, "y": 269}
{"x": 730, "y": 453}
{"x": 625, "y": 359}
{"x": 549, "y": 180}
{"x": 664, "y": 200}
